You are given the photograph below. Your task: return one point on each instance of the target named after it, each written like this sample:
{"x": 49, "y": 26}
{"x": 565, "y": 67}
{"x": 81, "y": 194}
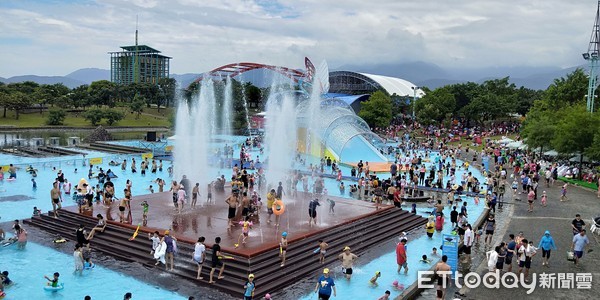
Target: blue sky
{"x": 57, "y": 37}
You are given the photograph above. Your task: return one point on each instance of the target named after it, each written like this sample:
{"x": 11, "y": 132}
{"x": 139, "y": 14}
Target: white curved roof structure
{"x": 354, "y": 83}
{"x": 394, "y": 85}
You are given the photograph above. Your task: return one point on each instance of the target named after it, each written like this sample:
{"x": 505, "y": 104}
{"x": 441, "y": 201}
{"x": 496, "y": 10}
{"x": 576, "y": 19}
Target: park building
{"x": 354, "y": 88}
{"x": 139, "y": 64}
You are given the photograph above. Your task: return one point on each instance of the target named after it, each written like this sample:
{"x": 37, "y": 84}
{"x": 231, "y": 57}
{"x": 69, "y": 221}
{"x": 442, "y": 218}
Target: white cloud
{"x": 55, "y": 39}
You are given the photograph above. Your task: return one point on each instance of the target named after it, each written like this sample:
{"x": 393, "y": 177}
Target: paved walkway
{"x": 556, "y": 218}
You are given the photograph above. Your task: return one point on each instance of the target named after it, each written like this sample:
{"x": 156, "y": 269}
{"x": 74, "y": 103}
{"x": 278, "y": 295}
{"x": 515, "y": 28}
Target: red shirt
{"x": 400, "y": 254}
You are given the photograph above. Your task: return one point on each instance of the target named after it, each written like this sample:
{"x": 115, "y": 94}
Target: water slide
{"x": 359, "y": 148}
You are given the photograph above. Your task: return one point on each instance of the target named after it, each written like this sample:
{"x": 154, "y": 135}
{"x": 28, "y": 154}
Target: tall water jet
{"x": 227, "y": 108}
{"x": 281, "y": 132}
{"x": 182, "y": 148}
{"x": 195, "y": 127}
{"x": 248, "y": 125}
{"x": 312, "y": 118}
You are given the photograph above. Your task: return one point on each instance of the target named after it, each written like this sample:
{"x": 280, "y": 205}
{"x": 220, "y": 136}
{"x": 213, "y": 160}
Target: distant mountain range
{"x": 433, "y": 76}
{"x": 420, "y": 73}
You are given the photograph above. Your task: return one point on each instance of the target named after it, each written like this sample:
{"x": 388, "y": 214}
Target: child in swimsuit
{"x": 245, "y": 229}
{"x": 145, "y": 207}
{"x": 54, "y": 281}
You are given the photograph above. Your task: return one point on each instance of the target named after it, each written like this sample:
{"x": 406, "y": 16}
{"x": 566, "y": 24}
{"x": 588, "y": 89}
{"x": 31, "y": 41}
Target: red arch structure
{"x": 235, "y": 69}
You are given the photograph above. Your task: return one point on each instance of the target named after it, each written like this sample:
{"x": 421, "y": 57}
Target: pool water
{"x": 417, "y": 246}
{"x": 18, "y": 197}
{"x": 47, "y": 260}
{"x": 28, "y": 267}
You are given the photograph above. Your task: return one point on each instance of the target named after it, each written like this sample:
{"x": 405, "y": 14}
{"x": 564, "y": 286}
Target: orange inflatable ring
{"x": 278, "y": 207}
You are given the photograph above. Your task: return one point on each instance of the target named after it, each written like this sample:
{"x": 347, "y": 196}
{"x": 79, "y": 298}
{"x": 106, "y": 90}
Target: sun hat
{"x": 326, "y": 271}
{"x": 346, "y": 248}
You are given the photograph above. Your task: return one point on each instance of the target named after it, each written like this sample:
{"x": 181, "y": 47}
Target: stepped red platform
{"x": 210, "y": 220}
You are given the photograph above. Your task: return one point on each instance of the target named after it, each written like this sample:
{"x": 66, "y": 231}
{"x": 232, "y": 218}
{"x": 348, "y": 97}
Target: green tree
{"x": 18, "y": 101}
{"x": 435, "y": 106}
{"x": 167, "y": 87}
{"x": 4, "y": 97}
{"x": 575, "y": 131}
{"x": 137, "y": 106}
{"x": 593, "y": 151}
{"x": 377, "y": 111}
{"x": 525, "y": 99}
{"x": 538, "y": 129}
{"x": 253, "y": 95}
{"x": 79, "y": 96}
{"x": 566, "y": 91}
{"x": 56, "y": 117}
{"x": 102, "y": 92}
{"x": 113, "y": 116}
{"x": 94, "y": 116}
{"x": 464, "y": 93}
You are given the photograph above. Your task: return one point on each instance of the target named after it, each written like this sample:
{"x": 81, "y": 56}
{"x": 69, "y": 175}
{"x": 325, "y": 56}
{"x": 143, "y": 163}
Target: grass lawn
{"x": 39, "y": 120}
{"x": 582, "y": 183}
{"x": 164, "y": 112}
{"x": 469, "y": 143}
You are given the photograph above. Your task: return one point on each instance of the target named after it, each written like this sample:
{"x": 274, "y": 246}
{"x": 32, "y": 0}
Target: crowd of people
{"x": 428, "y": 162}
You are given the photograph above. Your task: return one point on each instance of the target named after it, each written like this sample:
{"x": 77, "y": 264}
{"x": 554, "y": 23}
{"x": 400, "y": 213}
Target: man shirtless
{"x": 232, "y": 201}
{"x": 245, "y": 205}
{"x": 347, "y": 259}
{"x": 55, "y": 196}
{"x": 443, "y": 279}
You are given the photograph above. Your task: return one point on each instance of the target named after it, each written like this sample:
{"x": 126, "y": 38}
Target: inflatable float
{"x": 88, "y": 266}
{"x": 278, "y": 207}
{"x": 50, "y": 288}
{"x": 161, "y": 250}
{"x": 9, "y": 242}
{"x": 80, "y": 187}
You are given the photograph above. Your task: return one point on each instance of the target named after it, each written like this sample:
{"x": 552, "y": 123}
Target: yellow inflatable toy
{"x": 80, "y": 186}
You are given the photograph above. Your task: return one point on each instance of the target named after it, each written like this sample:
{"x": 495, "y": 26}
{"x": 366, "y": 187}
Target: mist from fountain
{"x": 312, "y": 116}
{"x": 195, "y": 127}
{"x": 227, "y": 108}
{"x": 281, "y": 134}
{"x": 248, "y": 125}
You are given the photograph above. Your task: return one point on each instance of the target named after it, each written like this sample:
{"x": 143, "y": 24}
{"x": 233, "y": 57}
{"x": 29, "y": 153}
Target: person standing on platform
{"x": 270, "y": 200}
{"x": 181, "y": 195}
{"x": 195, "y": 192}
{"x": 312, "y": 211}
{"x": 232, "y": 202}
{"x": 174, "y": 190}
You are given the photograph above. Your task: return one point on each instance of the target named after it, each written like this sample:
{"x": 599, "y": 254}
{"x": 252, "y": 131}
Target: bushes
{"x": 56, "y": 117}
{"x": 95, "y": 115}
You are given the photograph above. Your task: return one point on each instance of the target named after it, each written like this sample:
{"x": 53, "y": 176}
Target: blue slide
{"x": 359, "y": 148}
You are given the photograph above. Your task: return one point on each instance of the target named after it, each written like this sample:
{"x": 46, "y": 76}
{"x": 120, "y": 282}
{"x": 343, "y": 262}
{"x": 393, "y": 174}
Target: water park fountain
{"x": 303, "y": 123}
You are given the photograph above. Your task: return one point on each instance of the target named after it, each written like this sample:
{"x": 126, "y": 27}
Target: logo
{"x": 493, "y": 280}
